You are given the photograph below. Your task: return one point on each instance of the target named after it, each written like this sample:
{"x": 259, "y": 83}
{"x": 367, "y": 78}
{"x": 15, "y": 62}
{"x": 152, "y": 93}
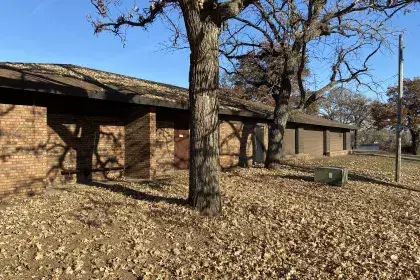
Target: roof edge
{"x": 94, "y": 69}
{"x": 131, "y": 97}
{"x": 120, "y": 97}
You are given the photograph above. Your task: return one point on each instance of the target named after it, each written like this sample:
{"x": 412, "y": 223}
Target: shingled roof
{"x": 67, "y": 79}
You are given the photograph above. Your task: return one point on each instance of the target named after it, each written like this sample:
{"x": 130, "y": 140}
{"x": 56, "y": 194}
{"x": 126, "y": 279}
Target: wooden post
{"x": 399, "y": 110}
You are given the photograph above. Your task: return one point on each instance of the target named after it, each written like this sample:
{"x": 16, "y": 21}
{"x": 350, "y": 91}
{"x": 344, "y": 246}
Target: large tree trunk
{"x": 278, "y": 127}
{"x": 415, "y": 141}
{"x": 204, "y": 192}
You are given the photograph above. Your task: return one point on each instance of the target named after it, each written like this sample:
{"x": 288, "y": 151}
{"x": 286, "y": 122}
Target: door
{"x": 181, "y": 140}
{"x": 313, "y": 141}
{"x": 258, "y": 154}
{"x": 336, "y": 140}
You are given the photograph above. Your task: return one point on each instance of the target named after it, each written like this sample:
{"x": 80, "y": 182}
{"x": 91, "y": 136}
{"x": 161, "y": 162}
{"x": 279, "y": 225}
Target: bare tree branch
{"x": 290, "y": 40}
{"x": 134, "y": 18}
{"x": 232, "y": 8}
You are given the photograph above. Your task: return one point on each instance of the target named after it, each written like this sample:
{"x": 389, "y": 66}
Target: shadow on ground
{"x": 137, "y": 194}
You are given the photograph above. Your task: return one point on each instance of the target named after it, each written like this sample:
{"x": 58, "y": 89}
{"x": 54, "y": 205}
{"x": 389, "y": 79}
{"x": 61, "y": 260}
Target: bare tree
{"x": 281, "y": 38}
{"x": 203, "y": 20}
{"x": 345, "y": 106}
{"x": 248, "y": 70}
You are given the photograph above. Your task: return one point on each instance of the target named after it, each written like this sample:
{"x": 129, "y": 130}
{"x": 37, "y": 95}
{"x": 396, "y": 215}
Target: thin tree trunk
{"x": 278, "y": 127}
{"x": 204, "y": 192}
{"x": 415, "y": 141}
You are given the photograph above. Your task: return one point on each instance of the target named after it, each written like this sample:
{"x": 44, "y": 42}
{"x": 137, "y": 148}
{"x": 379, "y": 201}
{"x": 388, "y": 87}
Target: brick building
{"x": 60, "y": 123}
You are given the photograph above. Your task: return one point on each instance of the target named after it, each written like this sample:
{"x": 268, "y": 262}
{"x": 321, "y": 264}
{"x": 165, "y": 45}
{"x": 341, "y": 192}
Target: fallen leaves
{"x": 275, "y": 225}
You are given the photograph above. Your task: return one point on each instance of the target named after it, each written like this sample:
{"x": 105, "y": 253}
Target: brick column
{"x": 140, "y": 138}
{"x": 327, "y": 142}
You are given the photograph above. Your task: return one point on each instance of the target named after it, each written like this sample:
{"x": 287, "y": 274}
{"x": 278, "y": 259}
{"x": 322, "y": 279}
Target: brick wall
{"x": 110, "y": 150}
{"x": 163, "y": 152}
{"x": 231, "y": 138}
{"x": 37, "y": 144}
{"x": 84, "y": 142}
{"x": 23, "y": 133}
{"x": 236, "y": 142}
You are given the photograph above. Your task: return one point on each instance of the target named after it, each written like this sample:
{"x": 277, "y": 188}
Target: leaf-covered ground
{"x": 372, "y": 167}
{"x": 275, "y": 225}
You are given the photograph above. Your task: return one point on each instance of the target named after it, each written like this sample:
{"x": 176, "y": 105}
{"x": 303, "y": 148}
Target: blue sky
{"x": 57, "y": 31}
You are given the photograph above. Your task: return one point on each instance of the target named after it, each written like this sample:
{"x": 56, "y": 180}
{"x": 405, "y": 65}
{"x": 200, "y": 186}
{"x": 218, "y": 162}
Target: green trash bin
{"x": 332, "y": 175}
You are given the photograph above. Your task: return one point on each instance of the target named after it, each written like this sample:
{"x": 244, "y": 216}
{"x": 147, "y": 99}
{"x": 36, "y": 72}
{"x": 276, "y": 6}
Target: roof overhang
{"x": 116, "y": 96}
{"x": 135, "y": 98}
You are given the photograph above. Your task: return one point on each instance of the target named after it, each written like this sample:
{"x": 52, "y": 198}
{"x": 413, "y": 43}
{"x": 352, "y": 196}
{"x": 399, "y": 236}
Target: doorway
{"x": 182, "y": 142}
{"x": 258, "y": 151}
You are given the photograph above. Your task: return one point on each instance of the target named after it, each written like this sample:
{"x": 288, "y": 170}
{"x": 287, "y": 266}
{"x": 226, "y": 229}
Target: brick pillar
{"x": 327, "y": 142}
{"x": 298, "y": 140}
{"x": 140, "y": 138}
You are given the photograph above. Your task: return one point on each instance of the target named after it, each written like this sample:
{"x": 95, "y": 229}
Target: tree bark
{"x": 278, "y": 127}
{"x": 204, "y": 191}
{"x": 415, "y": 141}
